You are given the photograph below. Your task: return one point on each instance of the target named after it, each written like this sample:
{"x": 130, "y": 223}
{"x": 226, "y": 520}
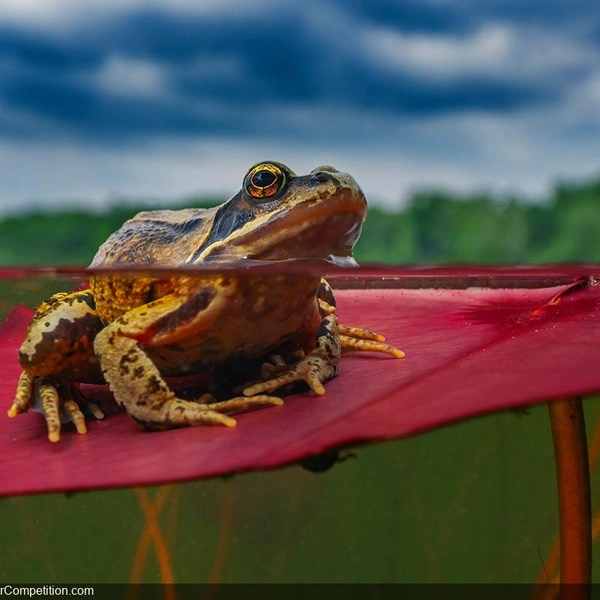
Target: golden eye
{"x": 264, "y": 181}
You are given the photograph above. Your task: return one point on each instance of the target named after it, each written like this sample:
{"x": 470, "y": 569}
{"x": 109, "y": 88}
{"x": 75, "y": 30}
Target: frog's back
{"x": 160, "y": 237}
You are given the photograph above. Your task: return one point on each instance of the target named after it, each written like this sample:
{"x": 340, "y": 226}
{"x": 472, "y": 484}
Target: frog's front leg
{"x": 353, "y": 338}
{"x": 320, "y": 365}
{"x": 58, "y": 351}
{"x": 136, "y": 381}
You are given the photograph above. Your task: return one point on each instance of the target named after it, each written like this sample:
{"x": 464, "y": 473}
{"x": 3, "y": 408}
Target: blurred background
{"x": 472, "y": 127}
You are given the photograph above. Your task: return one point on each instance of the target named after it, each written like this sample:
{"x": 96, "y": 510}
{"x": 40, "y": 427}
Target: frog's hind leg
{"x": 136, "y": 381}
{"x": 137, "y": 384}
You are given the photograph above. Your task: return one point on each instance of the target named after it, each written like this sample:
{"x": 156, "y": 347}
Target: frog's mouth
{"x": 325, "y": 237}
{"x": 326, "y": 230}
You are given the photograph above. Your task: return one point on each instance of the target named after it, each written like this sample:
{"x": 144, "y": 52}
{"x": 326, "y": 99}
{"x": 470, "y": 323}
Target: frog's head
{"x": 278, "y": 215}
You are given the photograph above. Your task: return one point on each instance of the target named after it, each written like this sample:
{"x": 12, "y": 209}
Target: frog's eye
{"x": 264, "y": 181}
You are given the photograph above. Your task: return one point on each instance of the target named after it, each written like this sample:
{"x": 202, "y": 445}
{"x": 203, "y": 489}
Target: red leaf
{"x": 468, "y": 352}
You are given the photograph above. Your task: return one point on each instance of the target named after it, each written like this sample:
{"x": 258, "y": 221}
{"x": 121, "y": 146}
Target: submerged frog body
{"x": 131, "y": 332}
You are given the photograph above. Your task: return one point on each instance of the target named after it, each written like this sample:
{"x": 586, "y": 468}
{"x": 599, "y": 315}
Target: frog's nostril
{"x": 322, "y": 177}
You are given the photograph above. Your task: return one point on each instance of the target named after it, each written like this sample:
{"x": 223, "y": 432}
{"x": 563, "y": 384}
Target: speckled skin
{"x": 133, "y": 331}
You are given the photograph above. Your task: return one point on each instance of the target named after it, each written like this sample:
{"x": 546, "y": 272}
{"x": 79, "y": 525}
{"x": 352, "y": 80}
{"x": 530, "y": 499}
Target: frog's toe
{"x": 177, "y": 412}
{"x": 59, "y": 403}
{"x": 273, "y": 365}
{"x": 243, "y": 403}
{"x": 313, "y": 369}
{"x": 277, "y": 364}
{"x": 72, "y": 406}
{"x": 87, "y": 406}
{"x": 354, "y": 338}
{"x": 75, "y": 415}
{"x": 24, "y": 395}
{"x": 358, "y": 332}
{"x": 185, "y": 412}
{"x": 94, "y": 409}
{"x": 48, "y": 403}
{"x": 350, "y": 344}
{"x": 39, "y": 394}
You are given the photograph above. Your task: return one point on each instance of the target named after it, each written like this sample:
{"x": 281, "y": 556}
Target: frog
{"x": 268, "y": 332}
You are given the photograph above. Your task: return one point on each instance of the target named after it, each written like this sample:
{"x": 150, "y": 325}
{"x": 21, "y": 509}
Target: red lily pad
{"x": 468, "y": 352}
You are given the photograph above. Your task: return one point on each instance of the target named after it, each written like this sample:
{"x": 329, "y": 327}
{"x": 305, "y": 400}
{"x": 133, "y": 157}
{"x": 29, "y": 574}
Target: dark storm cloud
{"x": 222, "y": 74}
{"x": 412, "y": 15}
{"x": 44, "y": 53}
{"x": 536, "y": 12}
{"x": 75, "y": 105}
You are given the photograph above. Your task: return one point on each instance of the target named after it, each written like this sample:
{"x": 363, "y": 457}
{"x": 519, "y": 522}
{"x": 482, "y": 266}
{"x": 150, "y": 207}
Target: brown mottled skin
{"x": 132, "y": 331}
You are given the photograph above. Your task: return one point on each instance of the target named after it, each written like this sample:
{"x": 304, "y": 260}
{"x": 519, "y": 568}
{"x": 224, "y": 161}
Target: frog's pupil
{"x": 263, "y": 179}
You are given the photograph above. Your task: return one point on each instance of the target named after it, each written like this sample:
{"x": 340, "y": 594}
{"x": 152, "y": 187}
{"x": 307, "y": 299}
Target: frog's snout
{"x": 323, "y": 177}
{"x": 327, "y": 173}
{"x": 327, "y": 168}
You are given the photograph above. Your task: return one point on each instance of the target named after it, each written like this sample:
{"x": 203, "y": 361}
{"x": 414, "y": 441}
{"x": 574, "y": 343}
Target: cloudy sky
{"x": 101, "y": 99}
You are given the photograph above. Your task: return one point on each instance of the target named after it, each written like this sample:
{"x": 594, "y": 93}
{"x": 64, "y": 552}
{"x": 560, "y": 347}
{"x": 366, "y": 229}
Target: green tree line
{"x": 432, "y": 228}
